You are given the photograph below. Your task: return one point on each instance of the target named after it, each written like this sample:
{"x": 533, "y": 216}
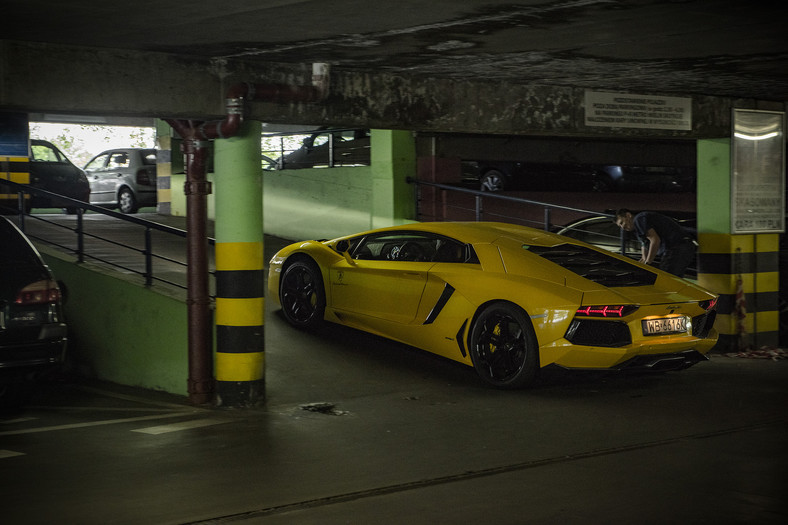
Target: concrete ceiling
{"x": 724, "y": 48}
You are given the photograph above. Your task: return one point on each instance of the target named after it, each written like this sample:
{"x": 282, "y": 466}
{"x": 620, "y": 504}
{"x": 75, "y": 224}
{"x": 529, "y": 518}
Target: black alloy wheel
{"x": 492, "y": 180}
{"x": 503, "y": 346}
{"x": 302, "y": 295}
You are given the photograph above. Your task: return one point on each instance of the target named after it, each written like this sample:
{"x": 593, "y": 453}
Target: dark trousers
{"x": 677, "y": 258}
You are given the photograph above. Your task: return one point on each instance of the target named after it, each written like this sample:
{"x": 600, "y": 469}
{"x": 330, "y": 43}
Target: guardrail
{"x": 480, "y": 195}
{"x": 81, "y": 250}
{"x": 479, "y": 210}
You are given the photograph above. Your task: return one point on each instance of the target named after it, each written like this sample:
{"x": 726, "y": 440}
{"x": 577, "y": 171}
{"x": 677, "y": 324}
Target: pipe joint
{"x": 197, "y": 187}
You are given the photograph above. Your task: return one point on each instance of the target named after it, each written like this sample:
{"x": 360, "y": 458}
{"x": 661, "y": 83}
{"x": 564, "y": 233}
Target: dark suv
{"x": 51, "y": 170}
{"x": 33, "y": 333}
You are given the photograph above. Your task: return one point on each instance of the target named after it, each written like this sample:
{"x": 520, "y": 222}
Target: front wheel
{"x": 302, "y": 295}
{"x": 492, "y": 180}
{"x": 503, "y": 346}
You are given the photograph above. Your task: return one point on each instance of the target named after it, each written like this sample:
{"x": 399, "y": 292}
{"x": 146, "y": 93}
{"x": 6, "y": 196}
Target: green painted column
{"x": 240, "y": 342}
{"x": 393, "y": 161}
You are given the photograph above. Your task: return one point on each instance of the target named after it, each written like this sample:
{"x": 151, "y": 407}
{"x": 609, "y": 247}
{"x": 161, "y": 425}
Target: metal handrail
{"x": 81, "y": 251}
{"x": 479, "y": 208}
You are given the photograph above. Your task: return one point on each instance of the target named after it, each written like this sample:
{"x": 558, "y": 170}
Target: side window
{"x": 118, "y": 160}
{"x": 410, "y": 246}
{"x": 44, "y": 153}
{"x": 97, "y": 164}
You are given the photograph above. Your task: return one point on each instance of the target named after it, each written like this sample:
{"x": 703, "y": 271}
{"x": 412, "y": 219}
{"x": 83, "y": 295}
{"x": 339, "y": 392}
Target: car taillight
{"x": 619, "y": 310}
{"x": 708, "y": 305}
{"x": 142, "y": 177}
{"x": 39, "y": 292}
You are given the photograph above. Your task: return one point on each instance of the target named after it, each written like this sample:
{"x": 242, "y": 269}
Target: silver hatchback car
{"x": 123, "y": 178}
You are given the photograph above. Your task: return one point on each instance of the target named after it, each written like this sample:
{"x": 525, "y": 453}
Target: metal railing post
{"x": 20, "y": 202}
{"x": 547, "y": 218}
{"x": 148, "y": 257}
{"x": 478, "y": 208}
{"x": 330, "y": 150}
{"x": 80, "y": 236}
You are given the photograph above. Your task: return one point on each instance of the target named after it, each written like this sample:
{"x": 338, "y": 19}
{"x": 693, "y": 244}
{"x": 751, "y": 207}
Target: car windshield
{"x": 595, "y": 266}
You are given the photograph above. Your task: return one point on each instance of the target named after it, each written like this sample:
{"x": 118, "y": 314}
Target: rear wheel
{"x": 127, "y": 203}
{"x": 503, "y": 346}
{"x": 302, "y": 295}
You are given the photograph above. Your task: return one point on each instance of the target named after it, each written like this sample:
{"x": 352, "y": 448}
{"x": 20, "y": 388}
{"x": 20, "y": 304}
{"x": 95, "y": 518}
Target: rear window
{"x": 149, "y": 157}
{"x": 595, "y": 266}
{"x": 16, "y": 250}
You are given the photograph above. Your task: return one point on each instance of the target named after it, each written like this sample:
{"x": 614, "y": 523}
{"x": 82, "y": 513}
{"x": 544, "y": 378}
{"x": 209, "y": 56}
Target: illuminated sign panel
{"x": 758, "y": 172}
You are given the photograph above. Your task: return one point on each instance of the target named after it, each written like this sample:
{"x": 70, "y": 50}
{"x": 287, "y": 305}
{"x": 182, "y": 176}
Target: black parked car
{"x": 51, "y": 170}
{"x": 601, "y": 231}
{"x": 33, "y": 332}
{"x": 328, "y": 148}
{"x": 529, "y": 176}
{"x": 663, "y": 179}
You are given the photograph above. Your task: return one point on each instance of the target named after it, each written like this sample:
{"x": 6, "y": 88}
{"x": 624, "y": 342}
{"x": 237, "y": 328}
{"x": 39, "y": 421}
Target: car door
{"x": 383, "y": 280}
{"x": 50, "y": 170}
{"x": 102, "y": 184}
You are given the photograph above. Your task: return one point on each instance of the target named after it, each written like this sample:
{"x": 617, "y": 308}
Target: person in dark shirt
{"x": 660, "y": 236}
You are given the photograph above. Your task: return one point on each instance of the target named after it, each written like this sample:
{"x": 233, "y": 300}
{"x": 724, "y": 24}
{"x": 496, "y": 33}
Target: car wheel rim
{"x": 491, "y": 184}
{"x": 126, "y": 202}
{"x": 299, "y": 296}
{"x": 500, "y": 347}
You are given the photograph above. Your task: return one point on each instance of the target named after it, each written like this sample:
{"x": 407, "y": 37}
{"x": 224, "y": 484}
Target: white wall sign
{"x": 758, "y": 172}
{"x": 625, "y": 110}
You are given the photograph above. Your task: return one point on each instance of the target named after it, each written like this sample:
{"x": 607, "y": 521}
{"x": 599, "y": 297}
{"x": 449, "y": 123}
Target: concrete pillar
{"x": 240, "y": 343}
{"x": 393, "y": 161}
{"x": 731, "y": 264}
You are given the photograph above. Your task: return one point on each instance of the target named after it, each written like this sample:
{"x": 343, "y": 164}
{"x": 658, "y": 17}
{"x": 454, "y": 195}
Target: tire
{"x": 492, "y": 180}
{"x": 127, "y": 203}
{"x": 503, "y": 346}
{"x": 302, "y": 295}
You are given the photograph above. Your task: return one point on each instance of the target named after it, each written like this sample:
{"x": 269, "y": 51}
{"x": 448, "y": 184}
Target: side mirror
{"x": 343, "y": 247}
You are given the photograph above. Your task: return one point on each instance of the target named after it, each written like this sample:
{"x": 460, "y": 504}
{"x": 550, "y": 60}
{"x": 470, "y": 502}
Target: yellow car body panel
{"x": 432, "y": 305}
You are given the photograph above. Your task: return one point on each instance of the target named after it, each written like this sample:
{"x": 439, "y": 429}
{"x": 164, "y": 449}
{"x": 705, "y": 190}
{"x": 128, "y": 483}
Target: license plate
{"x": 664, "y": 325}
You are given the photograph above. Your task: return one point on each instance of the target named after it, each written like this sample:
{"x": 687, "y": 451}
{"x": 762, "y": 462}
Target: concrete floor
{"x": 360, "y": 430}
{"x": 402, "y": 436}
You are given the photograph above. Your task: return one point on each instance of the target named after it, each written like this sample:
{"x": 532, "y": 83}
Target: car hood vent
{"x": 595, "y": 266}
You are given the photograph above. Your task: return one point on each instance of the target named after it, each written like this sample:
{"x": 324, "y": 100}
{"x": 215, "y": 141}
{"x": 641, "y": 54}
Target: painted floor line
{"x": 183, "y": 425}
{"x": 93, "y": 424}
{"x": 17, "y": 420}
{"x": 10, "y": 454}
{"x": 106, "y": 409}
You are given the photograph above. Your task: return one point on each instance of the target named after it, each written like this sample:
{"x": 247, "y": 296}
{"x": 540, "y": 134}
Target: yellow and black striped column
{"x": 164, "y": 166}
{"x": 15, "y": 169}
{"x": 749, "y": 263}
{"x": 240, "y": 302}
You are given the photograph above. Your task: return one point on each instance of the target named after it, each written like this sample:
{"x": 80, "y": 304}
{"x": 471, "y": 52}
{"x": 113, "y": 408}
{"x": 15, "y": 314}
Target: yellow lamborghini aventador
{"x": 505, "y": 299}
